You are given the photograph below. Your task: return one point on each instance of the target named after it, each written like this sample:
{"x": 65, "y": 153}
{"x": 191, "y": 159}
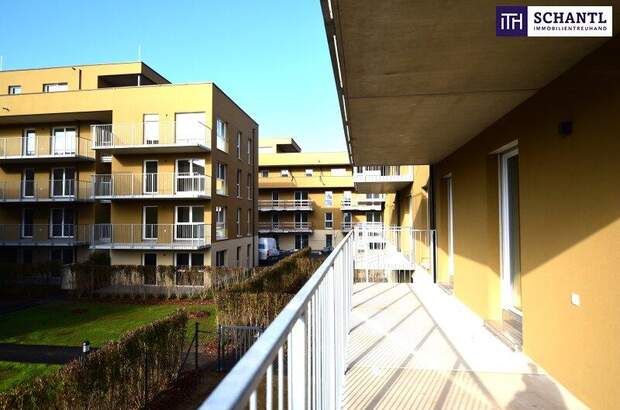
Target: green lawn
{"x": 69, "y": 323}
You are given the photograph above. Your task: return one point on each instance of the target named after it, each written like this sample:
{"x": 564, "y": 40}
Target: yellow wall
{"x": 569, "y": 225}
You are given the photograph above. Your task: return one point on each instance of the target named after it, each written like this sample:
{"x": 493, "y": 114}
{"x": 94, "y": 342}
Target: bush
{"x": 29, "y": 280}
{"x": 113, "y": 376}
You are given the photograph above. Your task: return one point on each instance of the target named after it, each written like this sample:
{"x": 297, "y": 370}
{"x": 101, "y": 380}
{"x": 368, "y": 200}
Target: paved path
{"x": 412, "y": 346}
{"x": 13, "y": 352}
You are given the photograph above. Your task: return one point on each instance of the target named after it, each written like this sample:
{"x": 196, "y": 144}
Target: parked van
{"x": 267, "y": 249}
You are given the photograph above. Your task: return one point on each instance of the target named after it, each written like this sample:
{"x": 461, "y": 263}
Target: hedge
{"x": 112, "y": 377}
{"x": 259, "y": 299}
{"x": 29, "y": 280}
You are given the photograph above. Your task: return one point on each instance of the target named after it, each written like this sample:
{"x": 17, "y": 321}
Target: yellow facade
{"x": 113, "y": 186}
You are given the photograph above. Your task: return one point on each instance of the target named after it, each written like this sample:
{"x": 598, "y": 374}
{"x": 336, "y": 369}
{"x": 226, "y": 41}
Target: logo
{"x": 553, "y": 21}
{"x": 511, "y": 21}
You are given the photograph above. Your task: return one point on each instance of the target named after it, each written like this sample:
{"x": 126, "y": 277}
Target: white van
{"x": 267, "y": 249}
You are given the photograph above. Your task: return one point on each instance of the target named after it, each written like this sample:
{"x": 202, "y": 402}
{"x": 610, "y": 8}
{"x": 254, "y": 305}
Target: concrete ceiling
{"x": 422, "y": 77}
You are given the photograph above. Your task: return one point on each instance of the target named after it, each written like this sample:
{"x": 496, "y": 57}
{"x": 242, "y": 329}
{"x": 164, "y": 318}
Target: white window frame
{"x": 144, "y": 230}
{"x": 29, "y": 136}
{"x": 217, "y": 258}
{"x": 63, "y": 224}
{"x": 146, "y": 177}
{"x": 191, "y": 175}
{"x": 329, "y": 222}
{"x": 221, "y": 132}
{"x": 309, "y": 172}
{"x": 13, "y": 88}
{"x": 221, "y": 166}
{"x": 220, "y": 218}
{"x": 150, "y": 120}
{"x": 190, "y": 223}
{"x": 238, "y": 221}
{"x": 329, "y": 198}
{"x": 180, "y": 129}
{"x": 23, "y": 224}
{"x": 63, "y": 182}
{"x": 24, "y": 181}
{"x": 249, "y": 145}
{"x": 285, "y": 172}
{"x": 239, "y": 177}
{"x": 72, "y": 146}
{"x": 239, "y": 138}
{"x": 190, "y": 259}
{"x": 55, "y": 87}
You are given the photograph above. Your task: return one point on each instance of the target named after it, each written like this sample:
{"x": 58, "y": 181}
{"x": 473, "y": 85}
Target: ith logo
{"x": 511, "y": 20}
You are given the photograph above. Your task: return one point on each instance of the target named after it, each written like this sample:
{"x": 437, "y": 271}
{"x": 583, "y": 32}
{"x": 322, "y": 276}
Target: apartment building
{"x": 309, "y": 198}
{"x": 520, "y": 136}
{"x": 114, "y": 157}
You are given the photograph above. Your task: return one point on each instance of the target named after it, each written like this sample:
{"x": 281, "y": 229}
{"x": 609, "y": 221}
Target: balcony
{"x": 27, "y": 191}
{"x": 285, "y": 205}
{"x": 152, "y": 137}
{"x": 362, "y": 204}
{"x": 39, "y": 148}
{"x": 151, "y": 186}
{"x": 44, "y": 234}
{"x": 190, "y": 236}
{"x": 316, "y": 181}
{"x": 341, "y": 344}
{"x": 284, "y": 227}
{"x": 381, "y": 179}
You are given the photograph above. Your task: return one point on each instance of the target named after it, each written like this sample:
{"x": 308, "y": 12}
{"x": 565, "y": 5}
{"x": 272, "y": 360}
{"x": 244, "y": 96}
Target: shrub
{"x": 113, "y": 376}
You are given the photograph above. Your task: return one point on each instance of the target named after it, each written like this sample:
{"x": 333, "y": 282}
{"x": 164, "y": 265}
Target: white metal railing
{"x": 151, "y": 133}
{"x": 361, "y": 204}
{"x": 31, "y": 190}
{"x": 285, "y": 226}
{"x": 285, "y": 204}
{"x": 151, "y": 185}
{"x": 381, "y": 174}
{"x": 304, "y": 347}
{"x": 45, "y": 146}
{"x": 146, "y": 236}
{"x": 44, "y": 233}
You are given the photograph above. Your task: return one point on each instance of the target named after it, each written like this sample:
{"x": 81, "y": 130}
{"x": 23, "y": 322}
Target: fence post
{"x": 219, "y": 348}
{"x": 196, "y": 347}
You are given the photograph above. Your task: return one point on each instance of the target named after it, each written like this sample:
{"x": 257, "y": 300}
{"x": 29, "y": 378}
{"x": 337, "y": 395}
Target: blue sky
{"x": 270, "y": 56}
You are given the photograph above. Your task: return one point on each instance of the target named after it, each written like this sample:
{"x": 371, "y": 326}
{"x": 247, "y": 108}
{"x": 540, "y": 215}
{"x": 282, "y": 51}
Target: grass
{"x": 12, "y": 373}
{"x": 70, "y": 323}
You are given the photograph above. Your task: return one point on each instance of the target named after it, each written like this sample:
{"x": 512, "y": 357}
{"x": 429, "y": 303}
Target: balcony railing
{"x": 151, "y": 134}
{"x": 67, "y": 190}
{"x": 151, "y": 236}
{"x": 44, "y": 234}
{"x": 285, "y": 205}
{"x": 381, "y": 174}
{"x": 300, "y": 359}
{"x": 361, "y": 204}
{"x": 299, "y": 181}
{"x": 310, "y": 334}
{"x": 284, "y": 227}
{"x": 45, "y": 147}
{"x": 150, "y": 185}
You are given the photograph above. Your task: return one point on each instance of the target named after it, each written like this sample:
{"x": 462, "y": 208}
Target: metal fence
{"x": 312, "y": 330}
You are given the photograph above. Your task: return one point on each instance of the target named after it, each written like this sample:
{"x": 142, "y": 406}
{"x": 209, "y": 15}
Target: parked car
{"x": 267, "y": 249}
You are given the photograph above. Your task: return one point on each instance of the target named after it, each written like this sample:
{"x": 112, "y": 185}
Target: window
{"x": 150, "y": 176}
{"x": 64, "y": 256}
{"x": 329, "y": 240}
{"x": 64, "y": 141}
{"x": 190, "y": 128}
{"x": 186, "y": 259}
{"x": 220, "y": 222}
{"x": 301, "y": 198}
{"x": 149, "y": 260}
{"x": 238, "y": 264}
{"x": 338, "y": 172}
{"x": 284, "y": 173}
{"x": 264, "y": 173}
{"x": 29, "y": 142}
{"x": 189, "y": 222}
{"x": 309, "y": 172}
{"x": 63, "y": 182}
{"x": 238, "y": 183}
{"x": 220, "y": 258}
{"x": 250, "y": 151}
{"x": 28, "y": 183}
{"x": 238, "y": 221}
{"x": 249, "y": 183}
{"x": 329, "y": 198}
{"x": 275, "y": 196}
{"x": 220, "y": 182}
{"x": 151, "y": 128}
{"x": 55, "y": 87}
{"x": 248, "y": 257}
{"x": 239, "y": 137}
{"x": 275, "y": 219}
{"x": 249, "y": 221}
{"x": 301, "y": 241}
{"x": 221, "y": 130}
{"x": 15, "y": 89}
{"x": 27, "y": 223}
{"x": 329, "y": 220}
{"x": 190, "y": 175}
{"x": 62, "y": 223}
{"x": 149, "y": 214}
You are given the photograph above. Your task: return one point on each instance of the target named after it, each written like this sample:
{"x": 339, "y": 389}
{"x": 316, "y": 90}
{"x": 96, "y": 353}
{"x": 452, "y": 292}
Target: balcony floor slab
{"x": 413, "y": 346}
